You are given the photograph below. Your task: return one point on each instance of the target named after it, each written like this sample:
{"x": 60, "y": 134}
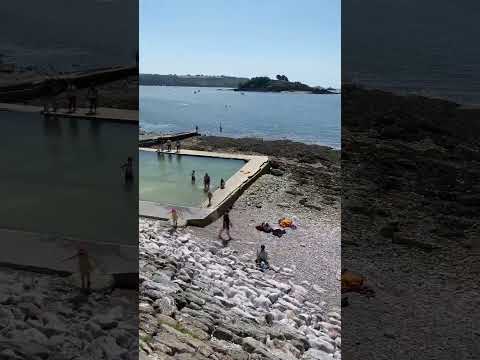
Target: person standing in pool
{"x": 225, "y": 226}
{"x": 193, "y": 177}
{"x": 206, "y": 182}
{"x": 128, "y": 170}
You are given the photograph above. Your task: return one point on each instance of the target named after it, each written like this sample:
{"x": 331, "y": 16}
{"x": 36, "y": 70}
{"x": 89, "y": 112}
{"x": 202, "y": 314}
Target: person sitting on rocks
{"x": 262, "y": 259}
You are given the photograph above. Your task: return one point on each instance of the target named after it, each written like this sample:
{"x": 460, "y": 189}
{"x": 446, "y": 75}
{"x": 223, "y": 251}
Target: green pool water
{"x": 166, "y": 178}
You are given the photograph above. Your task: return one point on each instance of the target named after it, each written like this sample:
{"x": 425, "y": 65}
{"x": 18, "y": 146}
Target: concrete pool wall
{"x": 222, "y": 199}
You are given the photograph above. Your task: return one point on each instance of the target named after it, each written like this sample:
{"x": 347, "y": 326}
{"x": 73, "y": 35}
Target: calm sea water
{"x": 63, "y": 176}
{"x": 424, "y": 47}
{"x": 166, "y": 178}
{"x": 302, "y": 117}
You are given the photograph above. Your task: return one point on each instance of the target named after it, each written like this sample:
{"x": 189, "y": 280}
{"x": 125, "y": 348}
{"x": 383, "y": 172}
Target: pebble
{"x": 259, "y": 314}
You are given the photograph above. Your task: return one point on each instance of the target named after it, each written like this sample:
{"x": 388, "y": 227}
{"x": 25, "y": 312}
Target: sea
{"x": 303, "y": 117}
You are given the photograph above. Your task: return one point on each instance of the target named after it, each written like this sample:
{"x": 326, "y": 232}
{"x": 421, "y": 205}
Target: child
{"x": 85, "y": 266}
{"x": 209, "y": 198}
{"x": 174, "y": 218}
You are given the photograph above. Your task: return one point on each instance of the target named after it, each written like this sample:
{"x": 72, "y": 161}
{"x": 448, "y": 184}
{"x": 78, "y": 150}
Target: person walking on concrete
{"x": 196, "y": 129}
{"x": 206, "y": 182}
{"x": 178, "y": 145}
{"x": 222, "y": 183}
{"x": 226, "y": 225}
{"x": 92, "y": 96}
{"x": 210, "y": 195}
{"x": 169, "y": 145}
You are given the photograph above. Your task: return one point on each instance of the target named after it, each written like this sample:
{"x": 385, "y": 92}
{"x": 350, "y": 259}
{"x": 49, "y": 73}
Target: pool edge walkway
{"x": 103, "y": 113}
{"x": 255, "y": 166}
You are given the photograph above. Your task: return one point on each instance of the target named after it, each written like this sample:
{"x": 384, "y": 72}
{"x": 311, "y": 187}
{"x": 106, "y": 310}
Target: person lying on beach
{"x": 85, "y": 266}
{"x": 265, "y": 227}
{"x": 262, "y": 259}
{"x": 128, "y": 168}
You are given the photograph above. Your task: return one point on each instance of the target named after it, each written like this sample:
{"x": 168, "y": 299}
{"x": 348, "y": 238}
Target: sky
{"x": 248, "y": 38}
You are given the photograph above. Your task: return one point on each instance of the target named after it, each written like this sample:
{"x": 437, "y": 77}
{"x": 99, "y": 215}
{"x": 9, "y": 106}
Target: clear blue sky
{"x": 300, "y": 39}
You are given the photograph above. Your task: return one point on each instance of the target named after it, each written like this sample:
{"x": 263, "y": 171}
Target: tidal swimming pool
{"x": 62, "y": 176}
{"x": 165, "y": 178}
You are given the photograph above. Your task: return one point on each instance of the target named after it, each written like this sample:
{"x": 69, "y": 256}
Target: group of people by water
{"x": 206, "y": 185}
{"x": 72, "y": 95}
{"x": 168, "y": 145}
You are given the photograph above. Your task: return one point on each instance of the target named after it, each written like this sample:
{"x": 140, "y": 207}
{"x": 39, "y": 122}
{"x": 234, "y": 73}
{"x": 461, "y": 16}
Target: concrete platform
{"x": 149, "y": 140}
{"x": 111, "y": 114}
{"x": 46, "y": 251}
{"x": 222, "y": 199}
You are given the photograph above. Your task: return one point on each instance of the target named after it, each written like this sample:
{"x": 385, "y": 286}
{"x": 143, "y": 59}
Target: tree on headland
{"x": 281, "y": 77}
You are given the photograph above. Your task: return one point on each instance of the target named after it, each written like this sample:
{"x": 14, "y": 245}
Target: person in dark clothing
{"x": 193, "y": 177}
{"x": 128, "y": 170}
{"x": 225, "y": 226}
{"x": 210, "y": 195}
{"x": 222, "y": 183}
{"x": 92, "y": 96}
{"x": 262, "y": 259}
{"x": 206, "y": 182}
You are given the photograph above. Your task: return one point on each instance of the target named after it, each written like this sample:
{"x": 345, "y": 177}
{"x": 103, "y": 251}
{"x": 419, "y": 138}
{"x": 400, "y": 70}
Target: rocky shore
{"x": 201, "y": 301}
{"x": 410, "y": 205}
{"x": 218, "y": 304}
{"x": 47, "y": 317}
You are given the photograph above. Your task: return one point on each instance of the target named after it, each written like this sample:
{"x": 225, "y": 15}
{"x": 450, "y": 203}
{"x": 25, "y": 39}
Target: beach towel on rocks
{"x": 352, "y": 282}
{"x": 286, "y": 223}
